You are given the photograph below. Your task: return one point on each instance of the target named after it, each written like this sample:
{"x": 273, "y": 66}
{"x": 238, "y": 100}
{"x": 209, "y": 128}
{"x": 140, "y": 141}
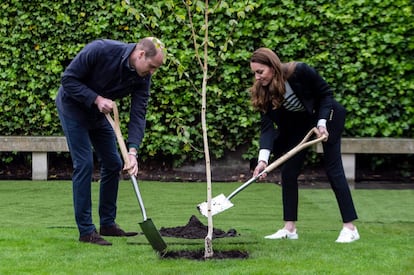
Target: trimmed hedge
{"x": 364, "y": 49}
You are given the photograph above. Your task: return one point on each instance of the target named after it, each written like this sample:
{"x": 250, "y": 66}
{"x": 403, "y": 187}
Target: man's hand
{"x": 104, "y": 104}
{"x": 259, "y": 168}
{"x": 132, "y": 168}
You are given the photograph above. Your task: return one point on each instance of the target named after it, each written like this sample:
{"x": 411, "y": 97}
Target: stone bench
{"x": 352, "y": 146}
{"x": 39, "y": 146}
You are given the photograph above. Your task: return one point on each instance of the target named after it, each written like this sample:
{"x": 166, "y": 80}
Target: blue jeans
{"x": 83, "y": 137}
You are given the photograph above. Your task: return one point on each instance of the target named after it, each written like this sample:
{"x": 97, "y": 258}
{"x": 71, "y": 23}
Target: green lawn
{"x": 38, "y": 233}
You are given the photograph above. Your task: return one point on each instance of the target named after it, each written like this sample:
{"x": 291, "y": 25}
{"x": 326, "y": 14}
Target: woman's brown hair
{"x": 262, "y": 97}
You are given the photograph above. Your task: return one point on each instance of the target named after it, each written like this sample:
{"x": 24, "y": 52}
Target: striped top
{"x": 291, "y": 102}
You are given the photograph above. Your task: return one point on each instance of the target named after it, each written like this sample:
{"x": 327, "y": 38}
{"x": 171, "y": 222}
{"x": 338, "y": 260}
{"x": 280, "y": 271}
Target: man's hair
{"x": 151, "y": 46}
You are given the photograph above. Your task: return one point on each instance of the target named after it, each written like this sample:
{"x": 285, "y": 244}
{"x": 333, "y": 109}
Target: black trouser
{"x": 290, "y": 132}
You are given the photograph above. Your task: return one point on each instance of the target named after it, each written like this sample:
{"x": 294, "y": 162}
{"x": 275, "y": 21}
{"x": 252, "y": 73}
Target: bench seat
{"x": 39, "y": 146}
{"x": 352, "y": 146}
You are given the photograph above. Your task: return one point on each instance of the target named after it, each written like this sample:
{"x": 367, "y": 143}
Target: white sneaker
{"x": 347, "y": 235}
{"x": 283, "y": 234}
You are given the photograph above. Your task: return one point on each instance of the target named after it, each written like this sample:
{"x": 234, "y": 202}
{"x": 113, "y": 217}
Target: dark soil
{"x": 199, "y": 255}
{"x": 395, "y": 173}
{"x": 195, "y": 229}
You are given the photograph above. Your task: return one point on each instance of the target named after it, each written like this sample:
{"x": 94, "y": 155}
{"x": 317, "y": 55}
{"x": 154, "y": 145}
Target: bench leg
{"x": 348, "y": 161}
{"x": 39, "y": 166}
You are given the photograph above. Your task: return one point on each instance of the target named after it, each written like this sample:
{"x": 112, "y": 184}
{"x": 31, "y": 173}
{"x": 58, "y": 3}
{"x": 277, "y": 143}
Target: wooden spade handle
{"x": 302, "y": 145}
{"x": 115, "y": 125}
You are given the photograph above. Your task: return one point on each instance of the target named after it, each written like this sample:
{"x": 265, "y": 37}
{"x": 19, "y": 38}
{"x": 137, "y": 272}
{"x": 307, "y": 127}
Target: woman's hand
{"x": 322, "y": 131}
{"x": 261, "y": 165}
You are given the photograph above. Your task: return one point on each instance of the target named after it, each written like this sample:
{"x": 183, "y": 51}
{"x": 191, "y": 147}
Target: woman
{"x": 296, "y": 98}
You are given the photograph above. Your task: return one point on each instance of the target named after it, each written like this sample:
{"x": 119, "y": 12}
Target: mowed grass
{"x": 38, "y": 233}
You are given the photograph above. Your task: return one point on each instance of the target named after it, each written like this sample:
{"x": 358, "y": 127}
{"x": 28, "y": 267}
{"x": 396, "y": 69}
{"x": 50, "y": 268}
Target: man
{"x": 104, "y": 70}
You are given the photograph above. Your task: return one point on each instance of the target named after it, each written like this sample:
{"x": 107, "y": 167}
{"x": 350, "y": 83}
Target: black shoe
{"x": 94, "y": 238}
{"x": 115, "y": 231}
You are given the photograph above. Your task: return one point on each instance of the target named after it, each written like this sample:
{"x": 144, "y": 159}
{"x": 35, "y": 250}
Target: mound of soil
{"x": 195, "y": 229}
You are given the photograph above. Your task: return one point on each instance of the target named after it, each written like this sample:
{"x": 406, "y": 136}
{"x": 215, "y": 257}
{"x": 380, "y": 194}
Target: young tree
{"x": 201, "y": 45}
{"x": 208, "y": 243}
